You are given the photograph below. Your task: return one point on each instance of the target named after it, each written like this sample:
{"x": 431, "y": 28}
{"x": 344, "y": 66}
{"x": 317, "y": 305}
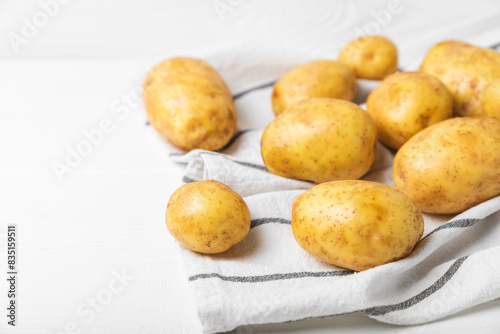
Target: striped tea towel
{"x": 269, "y": 278}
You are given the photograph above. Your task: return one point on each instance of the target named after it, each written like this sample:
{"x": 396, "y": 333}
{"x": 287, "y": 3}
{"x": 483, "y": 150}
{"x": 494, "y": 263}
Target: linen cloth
{"x": 269, "y": 278}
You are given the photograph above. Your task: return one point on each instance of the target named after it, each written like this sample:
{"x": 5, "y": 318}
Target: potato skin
{"x": 320, "y": 140}
{"x": 405, "y": 103}
{"x": 490, "y": 101}
{"x": 465, "y": 70}
{"x": 356, "y": 224}
{"x": 189, "y": 104}
{"x": 451, "y": 166}
{"x": 370, "y": 57}
{"x": 207, "y": 217}
{"x": 320, "y": 78}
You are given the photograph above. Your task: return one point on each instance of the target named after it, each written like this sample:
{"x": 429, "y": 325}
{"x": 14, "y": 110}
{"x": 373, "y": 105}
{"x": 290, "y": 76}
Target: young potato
{"x": 207, "y": 217}
{"x": 370, "y": 57}
{"x": 189, "y": 104}
{"x": 405, "y": 103}
{"x": 356, "y": 224}
{"x": 452, "y": 165}
{"x": 490, "y": 102}
{"x": 320, "y": 78}
{"x": 320, "y": 140}
{"x": 465, "y": 70}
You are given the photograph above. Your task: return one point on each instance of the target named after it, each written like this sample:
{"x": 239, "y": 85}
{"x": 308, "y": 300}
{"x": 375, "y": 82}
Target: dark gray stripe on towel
{"x": 247, "y": 164}
{"x": 384, "y": 309}
{"x": 238, "y": 95}
{"x": 262, "y": 221}
{"x": 459, "y": 223}
{"x": 233, "y": 139}
{"x": 272, "y": 277}
{"x": 187, "y": 179}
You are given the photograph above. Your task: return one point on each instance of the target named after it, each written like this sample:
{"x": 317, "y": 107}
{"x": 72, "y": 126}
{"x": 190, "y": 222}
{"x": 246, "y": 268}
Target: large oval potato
{"x": 465, "y": 70}
{"x": 189, "y": 104}
{"x": 370, "y": 57}
{"x": 405, "y": 103}
{"x": 356, "y": 224}
{"x": 207, "y": 217}
{"x": 490, "y": 102}
{"x": 320, "y": 140}
{"x": 320, "y": 78}
{"x": 452, "y": 165}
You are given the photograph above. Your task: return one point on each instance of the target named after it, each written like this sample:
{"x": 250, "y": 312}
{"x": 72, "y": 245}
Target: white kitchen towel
{"x": 269, "y": 278}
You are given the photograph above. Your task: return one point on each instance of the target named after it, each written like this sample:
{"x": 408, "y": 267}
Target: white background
{"x": 107, "y": 215}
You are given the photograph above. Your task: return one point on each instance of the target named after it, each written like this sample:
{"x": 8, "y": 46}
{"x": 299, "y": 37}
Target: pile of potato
{"x": 442, "y": 122}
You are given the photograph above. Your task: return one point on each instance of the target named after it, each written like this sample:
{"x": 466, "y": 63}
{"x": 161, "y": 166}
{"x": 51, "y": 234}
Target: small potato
{"x": 405, "y": 103}
{"x": 320, "y": 140}
{"x": 320, "y": 78}
{"x": 356, "y": 224}
{"x": 370, "y": 57}
{"x": 207, "y": 217}
{"x": 189, "y": 104}
{"x": 452, "y": 165}
{"x": 490, "y": 101}
{"x": 465, "y": 70}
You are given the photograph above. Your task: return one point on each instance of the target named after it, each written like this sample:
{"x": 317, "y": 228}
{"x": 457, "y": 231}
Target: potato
{"x": 405, "y": 103}
{"x": 189, "y": 104}
{"x": 490, "y": 101}
{"x": 370, "y": 57}
{"x": 452, "y": 165}
{"x": 465, "y": 70}
{"x": 320, "y": 78}
{"x": 356, "y": 224}
{"x": 320, "y": 140}
{"x": 207, "y": 217}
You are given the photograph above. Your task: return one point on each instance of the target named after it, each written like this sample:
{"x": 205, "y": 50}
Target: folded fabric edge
{"x": 378, "y": 312}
